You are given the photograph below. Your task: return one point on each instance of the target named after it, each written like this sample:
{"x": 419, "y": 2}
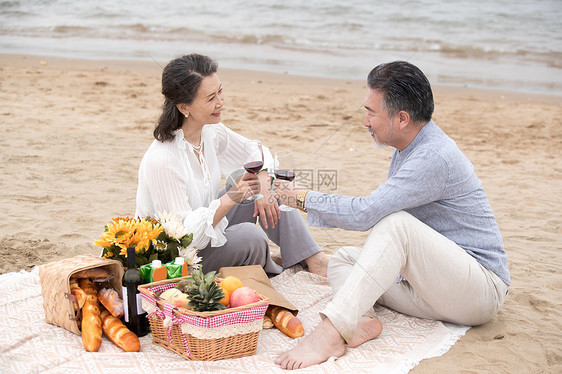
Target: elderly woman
{"x": 181, "y": 173}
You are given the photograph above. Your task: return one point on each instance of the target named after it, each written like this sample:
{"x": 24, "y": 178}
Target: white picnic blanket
{"x": 28, "y": 344}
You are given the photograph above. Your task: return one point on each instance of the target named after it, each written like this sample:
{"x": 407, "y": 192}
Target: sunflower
{"x": 141, "y": 235}
{"x": 115, "y": 232}
{"x": 151, "y": 230}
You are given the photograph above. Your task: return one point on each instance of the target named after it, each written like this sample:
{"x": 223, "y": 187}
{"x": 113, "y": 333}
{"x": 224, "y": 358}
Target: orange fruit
{"x": 228, "y": 285}
{"x": 226, "y": 299}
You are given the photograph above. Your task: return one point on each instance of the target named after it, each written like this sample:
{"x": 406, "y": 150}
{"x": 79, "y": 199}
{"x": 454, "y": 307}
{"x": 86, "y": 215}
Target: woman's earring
{"x": 186, "y": 115}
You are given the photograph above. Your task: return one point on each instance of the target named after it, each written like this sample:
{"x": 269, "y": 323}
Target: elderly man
{"x": 434, "y": 251}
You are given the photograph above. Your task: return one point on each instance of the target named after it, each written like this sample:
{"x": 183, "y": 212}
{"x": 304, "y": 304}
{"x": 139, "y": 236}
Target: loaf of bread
{"x": 267, "y": 323}
{"x": 88, "y": 287}
{"x": 109, "y": 298}
{"x": 92, "y": 273}
{"x": 91, "y": 320}
{"x": 78, "y": 293}
{"x": 118, "y": 333}
{"x": 285, "y": 321}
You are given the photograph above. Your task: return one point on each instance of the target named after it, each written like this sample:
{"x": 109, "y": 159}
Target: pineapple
{"x": 185, "y": 284}
{"x": 204, "y": 292}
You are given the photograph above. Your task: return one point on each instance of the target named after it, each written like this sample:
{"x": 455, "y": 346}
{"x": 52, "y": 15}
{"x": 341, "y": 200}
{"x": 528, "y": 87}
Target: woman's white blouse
{"x": 172, "y": 180}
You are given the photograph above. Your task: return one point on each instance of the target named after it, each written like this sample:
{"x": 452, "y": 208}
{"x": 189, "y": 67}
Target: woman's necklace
{"x": 196, "y": 148}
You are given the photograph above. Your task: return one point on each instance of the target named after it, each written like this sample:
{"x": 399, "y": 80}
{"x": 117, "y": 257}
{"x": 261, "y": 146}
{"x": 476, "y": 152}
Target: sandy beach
{"x": 73, "y": 134}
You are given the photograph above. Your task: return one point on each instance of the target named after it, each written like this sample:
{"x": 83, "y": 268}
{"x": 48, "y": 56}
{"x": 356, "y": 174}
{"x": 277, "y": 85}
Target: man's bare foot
{"x": 367, "y": 329}
{"x": 324, "y": 342}
{"x": 318, "y": 264}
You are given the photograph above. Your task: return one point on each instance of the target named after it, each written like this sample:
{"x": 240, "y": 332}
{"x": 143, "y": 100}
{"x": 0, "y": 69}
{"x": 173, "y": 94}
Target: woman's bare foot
{"x": 318, "y": 264}
{"x": 324, "y": 342}
{"x": 367, "y": 329}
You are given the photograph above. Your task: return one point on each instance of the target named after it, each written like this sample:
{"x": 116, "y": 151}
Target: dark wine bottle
{"x": 134, "y": 315}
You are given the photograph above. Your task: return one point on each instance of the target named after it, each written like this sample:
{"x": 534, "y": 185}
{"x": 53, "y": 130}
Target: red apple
{"x": 243, "y": 296}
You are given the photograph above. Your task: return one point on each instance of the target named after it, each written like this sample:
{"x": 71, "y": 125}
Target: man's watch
{"x": 300, "y": 200}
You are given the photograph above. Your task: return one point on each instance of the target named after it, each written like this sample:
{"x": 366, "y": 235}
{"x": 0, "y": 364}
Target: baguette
{"x": 118, "y": 333}
{"x": 88, "y": 286}
{"x": 78, "y": 292}
{"x": 109, "y": 298}
{"x": 285, "y": 321}
{"x": 91, "y": 320}
{"x": 267, "y": 323}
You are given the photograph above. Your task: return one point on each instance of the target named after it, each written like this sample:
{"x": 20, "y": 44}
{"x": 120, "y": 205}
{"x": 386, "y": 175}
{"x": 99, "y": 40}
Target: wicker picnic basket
{"x": 202, "y": 336}
{"x": 61, "y": 307}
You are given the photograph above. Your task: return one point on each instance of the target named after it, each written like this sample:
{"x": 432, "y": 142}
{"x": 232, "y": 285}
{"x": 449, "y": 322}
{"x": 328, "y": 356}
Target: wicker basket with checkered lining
{"x": 202, "y": 336}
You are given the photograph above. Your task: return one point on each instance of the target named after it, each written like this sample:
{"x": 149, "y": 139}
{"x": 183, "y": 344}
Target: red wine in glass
{"x": 253, "y": 157}
{"x": 254, "y": 167}
{"x": 284, "y": 175}
{"x": 284, "y": 169}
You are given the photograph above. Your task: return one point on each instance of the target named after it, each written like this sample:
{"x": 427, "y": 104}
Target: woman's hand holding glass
{"x": 265, "y": 205}
{"x": 246, "y": 186}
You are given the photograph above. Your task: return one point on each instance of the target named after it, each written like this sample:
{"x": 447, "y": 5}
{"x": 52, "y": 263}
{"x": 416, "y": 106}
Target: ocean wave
{"x": 251, "y": 39}
{"x": 61, "y": 30}
{"x": 142, "y": 31}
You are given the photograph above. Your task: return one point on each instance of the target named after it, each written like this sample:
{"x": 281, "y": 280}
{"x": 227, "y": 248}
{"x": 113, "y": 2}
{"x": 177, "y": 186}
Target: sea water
{"x": 500, "y": 44}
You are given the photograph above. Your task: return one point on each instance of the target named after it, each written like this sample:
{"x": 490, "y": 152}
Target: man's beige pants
{"x": 439, "y": 279}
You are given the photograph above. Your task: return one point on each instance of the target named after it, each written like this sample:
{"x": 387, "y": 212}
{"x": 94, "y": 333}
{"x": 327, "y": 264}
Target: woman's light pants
{"x": 439, "y": 280}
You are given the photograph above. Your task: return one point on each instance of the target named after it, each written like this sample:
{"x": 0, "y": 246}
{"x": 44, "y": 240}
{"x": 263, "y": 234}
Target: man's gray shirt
{"x": 434, "y": 181}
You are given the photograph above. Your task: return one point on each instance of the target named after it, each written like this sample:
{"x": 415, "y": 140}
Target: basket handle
{"x": 74, "y": 301}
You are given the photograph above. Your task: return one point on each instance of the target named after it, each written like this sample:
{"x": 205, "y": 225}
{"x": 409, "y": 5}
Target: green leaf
{"x": 174, "y": 252}
{"x": 141, "y": 260}
{"x": 210, "y": 276}
{"x": 186, "y": 240}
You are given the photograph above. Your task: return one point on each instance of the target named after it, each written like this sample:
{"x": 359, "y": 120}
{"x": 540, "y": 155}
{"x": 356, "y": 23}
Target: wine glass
{"x": 284, "y": 168}
{"x": 253, "y": 162}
